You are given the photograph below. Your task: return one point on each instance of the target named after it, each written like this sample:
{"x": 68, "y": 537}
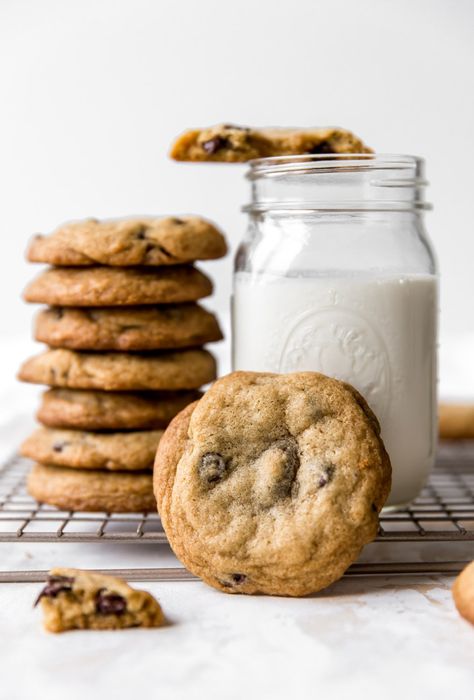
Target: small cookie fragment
{"x": 463, "y": 593}
{"x": 185, "y": 369}
{"x": 127, "y": 242}
{"x": 92, "y": 490}
{"x": 104, "y": 410}
{"x": 272, "y": 483}
{"x": 237, "y": 144}
{"x": 114, "y": 286}
{"x": 456, "y": 421}
{"x": 74, "y": 599}
{"x": 127, "y": 329}
{"x": 129, "y": 451}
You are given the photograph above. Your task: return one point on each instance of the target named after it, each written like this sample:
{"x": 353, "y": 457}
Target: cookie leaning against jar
{"x": 229, "y": 143}
{"x": 272, "y": 483}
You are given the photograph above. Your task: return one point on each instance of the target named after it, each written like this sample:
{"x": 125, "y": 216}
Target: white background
{"x": 94, "y": 91}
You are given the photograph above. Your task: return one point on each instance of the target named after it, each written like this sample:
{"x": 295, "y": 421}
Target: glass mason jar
{"x": 336, "y": 275}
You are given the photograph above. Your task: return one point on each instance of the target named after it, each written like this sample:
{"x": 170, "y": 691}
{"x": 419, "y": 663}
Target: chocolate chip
{"x": 215, "y": 144}
{"x": 178, "y": 222}
{"x": 58, "y": 312}
{"x": 59, "y": 446}
{"x": 109, "y": 603}
{"x": 212, "y": 468}
{"x": 233, "y": 580}
{"x": 141, "y": 235}
{"x": 54, "y": 586}
{"x": 91, "y": 315}
{"x": 292, "y": 463}
{"x": 322, "y": 147}
{"x": 374, "y": 508}
{"x": 327, "y": 475}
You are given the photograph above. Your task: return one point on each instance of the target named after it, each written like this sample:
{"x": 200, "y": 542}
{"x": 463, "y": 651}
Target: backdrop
{"x": 93, "y": 92}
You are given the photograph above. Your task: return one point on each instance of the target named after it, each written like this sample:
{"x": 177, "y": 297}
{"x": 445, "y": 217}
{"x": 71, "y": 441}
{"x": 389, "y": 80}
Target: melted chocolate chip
{"x": 327, "y": 475}
{"x": 322, "y": 147}
{"x": 212, "y": 468}
{"x": 141, "y": 235}
{"x": 215, "y": 144}
{"x": 292, "y": 463}
{"x": 178, "y": 222}
{"x": 109, "y": 603}
{"x": 59, "y": 446}
{"x": 374, "y": 508}
{"x": 54, "y": 586}
{"x": 233, "y": 580}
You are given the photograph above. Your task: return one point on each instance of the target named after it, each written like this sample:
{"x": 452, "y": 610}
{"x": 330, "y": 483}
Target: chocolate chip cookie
{"x": 74, "y": 599}
{"x": 185, "y": 369}
{"x": 143, "y": 241}
{"x": 90, "y": 490}
{"x": 236, "y": 144}
{"x": 272, "y": 483}
{"x": 76, "y": 448}
{"x": 101, "y": 410}
{"x": 113, "y": 286}
{"x": 131, "y": 328}
{"x": 456, "y": 421}
{"x": 463, "y": 593}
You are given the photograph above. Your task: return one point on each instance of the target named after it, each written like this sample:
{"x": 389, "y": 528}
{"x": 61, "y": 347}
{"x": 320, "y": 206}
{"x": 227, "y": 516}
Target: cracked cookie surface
{"x": 113, "y": 286}
{"x": 75, "y": 599}
{"x": 143, "y": 241}
{"x": 236, "y": 144}
{"x": 107, "y": 410}
{"x": 272, "y": 483}
{"x": 77, "y": 448}
{"x": 184, "y": 369}
{"x": 92, "y": 490}
{"x": 134, "y": 328}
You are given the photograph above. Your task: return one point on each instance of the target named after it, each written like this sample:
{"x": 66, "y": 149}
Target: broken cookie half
{"x": 74, "y": 599}
{"x": 229, "y": 143}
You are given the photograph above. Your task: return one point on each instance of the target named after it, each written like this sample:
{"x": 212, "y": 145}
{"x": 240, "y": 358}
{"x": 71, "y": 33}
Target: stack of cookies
{"x": 125, "y": 336}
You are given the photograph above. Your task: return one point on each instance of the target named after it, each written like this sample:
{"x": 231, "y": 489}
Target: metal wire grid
{"x": 443, "y": 512}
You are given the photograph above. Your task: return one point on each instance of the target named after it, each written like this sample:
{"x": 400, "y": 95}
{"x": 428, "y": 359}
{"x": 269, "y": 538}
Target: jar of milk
{"x": 336, "y": 275}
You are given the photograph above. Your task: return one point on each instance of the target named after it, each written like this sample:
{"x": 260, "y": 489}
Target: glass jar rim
{"x": 408, "y": 174}
{"x": 332, "y": 162}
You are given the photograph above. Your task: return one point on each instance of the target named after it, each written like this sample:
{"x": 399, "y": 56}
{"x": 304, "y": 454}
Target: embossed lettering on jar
{"x": 336, "y": 275}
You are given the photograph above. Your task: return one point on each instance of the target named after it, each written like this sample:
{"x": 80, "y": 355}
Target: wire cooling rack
{"x": 443, "y": 512}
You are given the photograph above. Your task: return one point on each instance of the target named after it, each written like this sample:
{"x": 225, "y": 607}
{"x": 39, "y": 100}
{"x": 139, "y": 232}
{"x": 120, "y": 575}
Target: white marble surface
{"x": 361, "y": 638}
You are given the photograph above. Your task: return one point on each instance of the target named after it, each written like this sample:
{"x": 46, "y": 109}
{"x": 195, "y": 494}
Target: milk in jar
{"x": 336, "y": 275}
{"x": 375, "y": 332}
